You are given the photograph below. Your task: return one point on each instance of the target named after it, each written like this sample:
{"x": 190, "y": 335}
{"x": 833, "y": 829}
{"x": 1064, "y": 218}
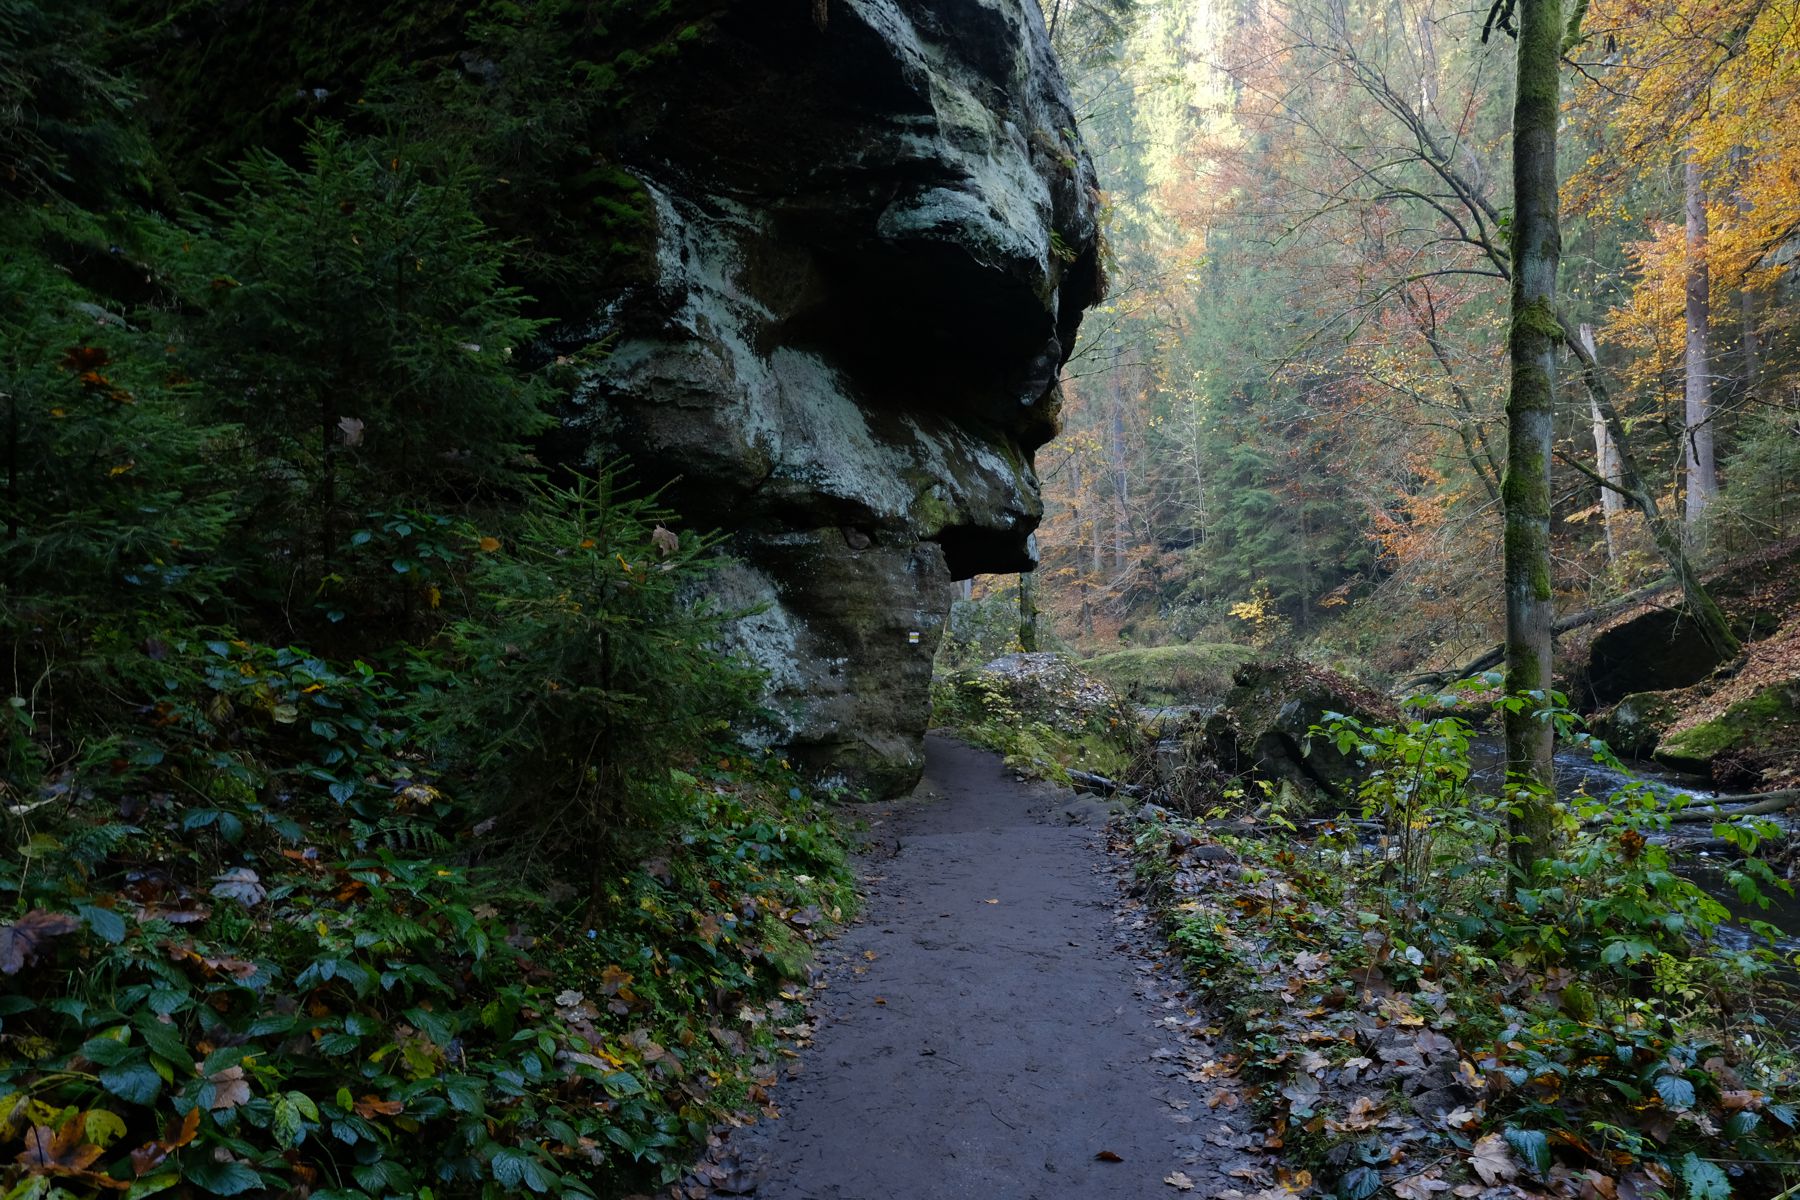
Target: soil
{"x": 996, "y": 1021}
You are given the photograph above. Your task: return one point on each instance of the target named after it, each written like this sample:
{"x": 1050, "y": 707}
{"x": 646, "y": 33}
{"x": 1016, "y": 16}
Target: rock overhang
{"x": 874, "y": 241}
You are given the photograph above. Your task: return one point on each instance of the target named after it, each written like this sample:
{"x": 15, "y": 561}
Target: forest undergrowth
{"x": 378, "y": 823}
{"x": 435, "y": 927}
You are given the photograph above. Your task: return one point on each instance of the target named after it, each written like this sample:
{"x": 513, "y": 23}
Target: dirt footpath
{"x": 994, "y": 1023}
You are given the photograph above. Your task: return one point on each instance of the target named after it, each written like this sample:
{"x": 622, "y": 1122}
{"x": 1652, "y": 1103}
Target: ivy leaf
{"x": 107, "y": 1051}
{"x": 1742, "y": 1124}
{"x": 1360, "y": 1183}
{"x": 509, "y": 1166}
{"x": 164, "y": 1042}
{"x": 150, "y": 1185}
{"x": 288, "y": 1126}
{"x": 1532, "y": 1146}
{"x": 384, "y": 1176}
{"x": 107, "y": 925}
{"x": 102, "y": 1127}
{"x": 219, "y": 1178}
{"x": 464, "y": 1093}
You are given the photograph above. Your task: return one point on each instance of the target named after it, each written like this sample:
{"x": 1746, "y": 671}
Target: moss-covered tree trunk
{"x": 1028, "y": 613}
{"x": 1535, "y": 333}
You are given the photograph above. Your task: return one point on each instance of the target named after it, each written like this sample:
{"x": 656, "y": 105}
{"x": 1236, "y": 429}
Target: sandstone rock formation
{"x": 875, "y": 236}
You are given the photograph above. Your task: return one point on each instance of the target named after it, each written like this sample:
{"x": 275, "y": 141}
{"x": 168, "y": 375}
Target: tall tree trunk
{"x": 1697, "y": 445}
{"x": 1749, "y": 340}
{"x": 1606, "y": 462}
{"x": 1704, "y": 610}
{"x": 1121, "y": 470}
{"x": 1536, "y": 252}
{"x": 1028, "y": 613}
{"x": 1751, "y": 344}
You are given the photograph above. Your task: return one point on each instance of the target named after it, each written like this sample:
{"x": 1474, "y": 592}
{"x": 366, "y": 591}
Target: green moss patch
{"x": 1768, "y": 720}
{"x": 1198, "y": 673}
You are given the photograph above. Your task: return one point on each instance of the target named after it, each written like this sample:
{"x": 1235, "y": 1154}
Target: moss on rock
{"x": 1196, "y": 673}
{"x": 1768, "y": 720}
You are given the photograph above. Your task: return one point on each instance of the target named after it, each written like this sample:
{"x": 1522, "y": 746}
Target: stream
{"x": 1577, "y": 773}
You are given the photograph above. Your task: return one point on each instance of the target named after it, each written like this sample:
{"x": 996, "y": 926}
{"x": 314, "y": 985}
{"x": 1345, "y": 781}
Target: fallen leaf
{"x": 1107, "y": 1156}
{"x": 23, "y": 940}
{"x": 1492, "y": 1160}
{"x": 665, "y": 541}
{"x": 65, "y": 1153}
{"x": 1178, "y": 1181}
{"x": 993, "y": 901}
{"x": 48, "y": 1152}
{"x": 1419, "y": 1187}
{"x": 240, "y": 884}
{"x": 230, "y": 1089}
{"x": 375, "y": 1106}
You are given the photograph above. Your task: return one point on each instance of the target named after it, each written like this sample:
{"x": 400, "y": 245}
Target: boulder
{"x": 1655, "y": 647}
{"x": 874, "y": 239}
{"x": 1263, "y": 728}
{"x": 1042, "y": 688}
{"x": 1655, "y": 650}
{"x": 1634, "y": 725}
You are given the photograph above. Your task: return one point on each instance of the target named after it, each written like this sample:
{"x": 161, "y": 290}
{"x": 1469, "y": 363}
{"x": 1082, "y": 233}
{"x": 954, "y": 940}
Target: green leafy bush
{"x": 336, "y": 1010}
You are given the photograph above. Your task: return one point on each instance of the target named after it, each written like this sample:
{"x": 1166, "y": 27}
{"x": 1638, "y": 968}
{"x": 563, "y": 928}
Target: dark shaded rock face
{"x": 875, "y": 240}
{"x": 1658, "y": 650}
{"x": 1264, "y": 727}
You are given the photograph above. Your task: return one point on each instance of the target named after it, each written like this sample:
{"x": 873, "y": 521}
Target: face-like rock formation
{"x": 875, "y": 238}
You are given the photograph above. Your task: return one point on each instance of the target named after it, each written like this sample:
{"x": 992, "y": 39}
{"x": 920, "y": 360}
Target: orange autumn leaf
{"x": 375, "y": 1106}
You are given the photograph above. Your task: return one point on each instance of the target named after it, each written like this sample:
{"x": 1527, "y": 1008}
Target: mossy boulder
{"x": 1765, "y": 722}
{"x": 1264, "y": 728}
{"x": 1635, "y": 725}
{"x": 1197, "y": 673}
{"x": 1043, "y": 688}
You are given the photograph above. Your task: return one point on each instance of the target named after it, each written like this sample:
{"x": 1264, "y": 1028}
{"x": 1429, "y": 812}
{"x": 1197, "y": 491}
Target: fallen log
{"x": 1087, "y": 781}
{"x": 1725, "y": 808}
{"x": 1495, "y": 655}
{"x": 1754, "y": 805}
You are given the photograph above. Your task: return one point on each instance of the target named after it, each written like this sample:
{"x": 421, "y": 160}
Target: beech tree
{"x": 1525, "y": 494}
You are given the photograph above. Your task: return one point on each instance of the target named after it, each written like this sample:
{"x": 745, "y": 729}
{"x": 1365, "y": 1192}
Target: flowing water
{"x": 1577, "y": 773}
{"x": 1706, "y": 863}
